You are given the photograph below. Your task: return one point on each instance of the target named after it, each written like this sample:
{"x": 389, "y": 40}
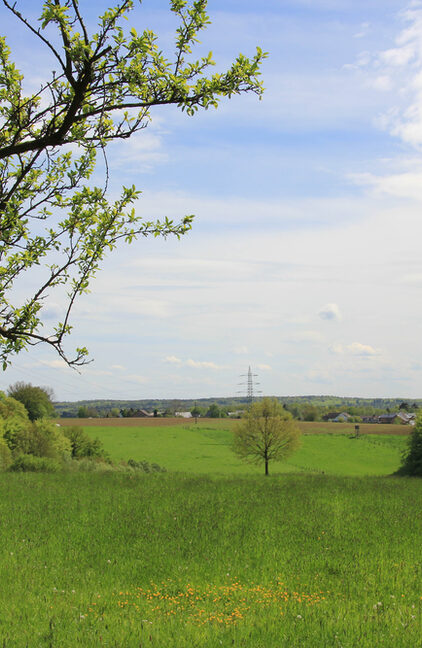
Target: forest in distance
{"x": 310, "y": 407}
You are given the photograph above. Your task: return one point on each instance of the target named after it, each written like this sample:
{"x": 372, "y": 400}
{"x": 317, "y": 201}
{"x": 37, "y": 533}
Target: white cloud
{"x": 144, "y": 149}
{"x": 241, "y": 350}
{"x": 55, "y": 364}
{"x": 398, "y": 56}
{"x": 198, "y": 364}
{"x": 412, "y": 279}
{"x": 383, "y": 83}
{"x": 118, "y": 367}
{"x": 264, "y": 367}
{"x": 354, "y": 349}
{"x": 172, "y": 360}
{"x": 363, "y": 31}
{"x": 400, "y": 68}
{"x": 89, "y": 371}
{"x": 195, "y": 364}
{"x": 330, "y": 312}
{"x": 400, "y": 185}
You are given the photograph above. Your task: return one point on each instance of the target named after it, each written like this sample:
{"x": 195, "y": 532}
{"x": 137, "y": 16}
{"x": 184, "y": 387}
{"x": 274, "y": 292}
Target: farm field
{"x": 204, "y": 448}
{"x": 307, "y": 427}
{"x": 170, "y": 560}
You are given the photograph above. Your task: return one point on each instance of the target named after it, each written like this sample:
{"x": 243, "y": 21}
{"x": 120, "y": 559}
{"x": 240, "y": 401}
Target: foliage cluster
{"x": 37, "y": 400}
{"x": 412, "y": 457}
{"x": 23, "y": 439}
{"x": 102, "y": 88}
{"x": 266, "y": 433}
{"x": 81, "y": 445}
{"x": 44, "y": 446}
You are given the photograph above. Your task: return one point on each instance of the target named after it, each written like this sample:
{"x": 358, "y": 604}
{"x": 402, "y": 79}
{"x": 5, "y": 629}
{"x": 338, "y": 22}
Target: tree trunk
{"x": 266, "y": 466}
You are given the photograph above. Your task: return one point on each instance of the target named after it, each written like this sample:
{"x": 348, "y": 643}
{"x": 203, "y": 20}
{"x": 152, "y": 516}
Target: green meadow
{"x": 325, "y": 554}
{"x": 204, "y": 448}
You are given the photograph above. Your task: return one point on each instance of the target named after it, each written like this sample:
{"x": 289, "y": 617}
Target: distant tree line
{"x": 302, "y": 408}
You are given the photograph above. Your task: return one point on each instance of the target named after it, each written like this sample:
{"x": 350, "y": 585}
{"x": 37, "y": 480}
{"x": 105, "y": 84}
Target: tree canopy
{"x": 266, "y": 433}
{"x": 102, "y": 89}
{"x": 36, "y": 400}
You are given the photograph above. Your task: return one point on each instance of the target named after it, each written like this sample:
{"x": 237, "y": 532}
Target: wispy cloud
{"x": 144, "y": 149}
{"x": 203, "y": 364}
{"x": 195, "y": 364}
{"x": 57, "y": 363}
{"x": 363, "y": 31}
{"x": 400, "y": 68}
{"x": 173, "y": 360}
{"x": 354, "y": 349}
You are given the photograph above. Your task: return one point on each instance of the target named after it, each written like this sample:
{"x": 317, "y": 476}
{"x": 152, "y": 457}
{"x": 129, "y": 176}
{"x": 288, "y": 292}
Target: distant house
{"x": 142, "y": 413}
{"x": 185, "y": 415}
{"x": 407, "y": 418}
{"x": 336, "y": 417}
{"x": 343, "y": 417}
{"x": 387, "y": 418}
{"x": 370, "y": 419}
{"x": 404, "y": 418}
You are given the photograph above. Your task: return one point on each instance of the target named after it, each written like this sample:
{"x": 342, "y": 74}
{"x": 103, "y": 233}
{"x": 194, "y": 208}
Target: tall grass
{"x": 176, "y": 561}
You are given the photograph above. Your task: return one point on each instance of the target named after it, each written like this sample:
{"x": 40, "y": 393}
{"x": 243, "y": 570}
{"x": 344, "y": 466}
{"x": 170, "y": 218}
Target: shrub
{"x": 13, "y": 419}
{"x": 87, "y": 464}
{"x": 42, "y": 439}
{"x": 412, "y": 459}
{"x": 5, "y": 455}
{"x": 31, "y": 463}
{"x": 37, "y": 400}
{"x": 82, "y": 445}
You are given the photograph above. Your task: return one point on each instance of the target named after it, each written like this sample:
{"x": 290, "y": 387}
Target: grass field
{"x": 317, "y": 427}
{"x": 325, "y": 553}
{"x": 293, "y": 561}
{"x": 204, "y": 448}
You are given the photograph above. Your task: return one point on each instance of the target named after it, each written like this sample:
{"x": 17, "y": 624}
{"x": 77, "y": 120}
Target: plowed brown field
{"x": 124, "y": 422}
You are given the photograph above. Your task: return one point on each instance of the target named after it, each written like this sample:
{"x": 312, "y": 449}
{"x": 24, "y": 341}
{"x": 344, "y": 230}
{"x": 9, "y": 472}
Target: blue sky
{"x": 304, "y": 260}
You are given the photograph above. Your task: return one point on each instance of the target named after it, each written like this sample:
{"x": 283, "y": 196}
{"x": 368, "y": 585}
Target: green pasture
{"x": 204, "y": 448}
{"x": 178, "y": 561}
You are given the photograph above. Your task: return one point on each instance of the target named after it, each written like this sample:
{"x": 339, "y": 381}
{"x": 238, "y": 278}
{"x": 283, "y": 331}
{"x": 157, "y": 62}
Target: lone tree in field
{"x": 102, "y": 88}
{"x": 412, "y": 460}
{"x": 267, "y": 433}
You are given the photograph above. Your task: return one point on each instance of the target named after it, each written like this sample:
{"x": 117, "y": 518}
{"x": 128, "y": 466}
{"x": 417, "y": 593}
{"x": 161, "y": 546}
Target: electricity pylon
{"x": 250, "y": 385}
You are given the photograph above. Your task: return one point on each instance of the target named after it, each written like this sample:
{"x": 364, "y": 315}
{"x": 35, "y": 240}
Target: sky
{"x": 304, "y": 261}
